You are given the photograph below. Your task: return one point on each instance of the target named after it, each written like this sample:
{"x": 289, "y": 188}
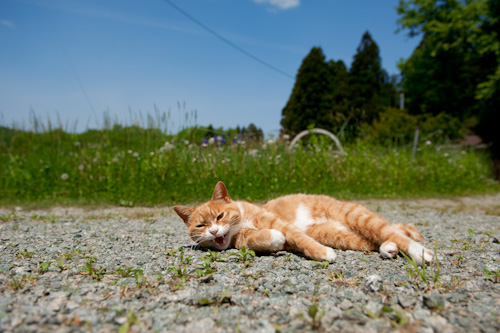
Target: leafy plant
{"x": 138, "y": 277}
{"x": 25, "y": 254}
{"x": 493, "y": 275}
{"x": 322, "y": 264}
{"x": 124, "y": 272}
{"x": 244, "y": 256}
{"x": 315, "y": 315}
{"x": 43, "y": 267}
{"x": 60, "y": 265}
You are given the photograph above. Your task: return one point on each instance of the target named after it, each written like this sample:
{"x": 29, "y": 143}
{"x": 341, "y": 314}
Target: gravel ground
{"x": 72, "y": 269}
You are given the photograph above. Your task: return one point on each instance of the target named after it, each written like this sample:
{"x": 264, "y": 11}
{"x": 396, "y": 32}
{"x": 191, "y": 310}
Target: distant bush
{"x": 396, "y": 127}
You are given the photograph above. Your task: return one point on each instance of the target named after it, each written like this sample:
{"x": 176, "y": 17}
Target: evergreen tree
{"x": 309, "y": 103}
{"x": 369, "y": 87}
{"x": 338, "y": 95}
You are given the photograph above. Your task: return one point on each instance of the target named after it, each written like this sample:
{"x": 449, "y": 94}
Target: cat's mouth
{"x": 222, "y": 241}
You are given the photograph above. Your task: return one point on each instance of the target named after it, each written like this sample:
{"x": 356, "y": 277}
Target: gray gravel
{"x": 119, "y": 268}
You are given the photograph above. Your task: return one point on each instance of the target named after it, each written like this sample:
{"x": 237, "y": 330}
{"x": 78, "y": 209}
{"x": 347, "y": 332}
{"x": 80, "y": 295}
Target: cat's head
{"x": 213, "y": 224}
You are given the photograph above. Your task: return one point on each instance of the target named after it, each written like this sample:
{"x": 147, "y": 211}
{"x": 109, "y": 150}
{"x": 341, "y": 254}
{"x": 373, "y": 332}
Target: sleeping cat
{"x": 311, "y": 224}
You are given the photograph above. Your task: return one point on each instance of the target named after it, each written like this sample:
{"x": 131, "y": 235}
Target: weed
{"x": 93, "y": 272}
{"x": 24, "y": 254}
{"x": 244, "y": 256}
{"x": 8, "y": 217}
{"x": 138, "y": 277}
{"x": 492, "y": 275}
{"x": 16, "y": 283}
{"x": 338, "y": 277}
{"x": 225, "y": 297}
{"x": 315, "y": 315}
{"x": 60, "y": 265}
{"x": 43, "y": 267}
{"x": 124, "y": 272}
{"x": 322, "y": 264}
{"x": 206, "y": 267}
{"x": 131, "y": 321}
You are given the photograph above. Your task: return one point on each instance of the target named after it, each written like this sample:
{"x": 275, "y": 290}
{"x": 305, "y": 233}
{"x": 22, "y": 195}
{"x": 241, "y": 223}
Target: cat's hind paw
{"x": 420, "y": 254}
{"x": 388, "y": 250}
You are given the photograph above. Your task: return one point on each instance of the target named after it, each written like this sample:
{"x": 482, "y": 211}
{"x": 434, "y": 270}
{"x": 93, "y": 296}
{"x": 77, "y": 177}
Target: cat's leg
{"x": 338, "y": 236}
{"x": 409, "y": 230}
{"x": 297, "y": 239}
{"x": 378, "y": 230}
{"x": 265, "y": 240}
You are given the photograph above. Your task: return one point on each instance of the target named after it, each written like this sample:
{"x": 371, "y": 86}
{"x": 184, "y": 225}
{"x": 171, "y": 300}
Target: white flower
{"x": 115, "y": 159}
{"x": 445, "y": 154}
{"x": 95, "y": 160}
{"x": 136, "y": 154}
{"x": 129, "y": 151}
{"x": 253, "y": 152}
{"x": 186, "y": 142}
{"x": 211, "y": 141}
{"x": 427, "y": 143}
{"x": 81, "y": 167}
{"x": 64, "y": 176}
{"x": 152, "y": 153}
{"x": 168, "y": 146}
{"x": 286, "y": 137}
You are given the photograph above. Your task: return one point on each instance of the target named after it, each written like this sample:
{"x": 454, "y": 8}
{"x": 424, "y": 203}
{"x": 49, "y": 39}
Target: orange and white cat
{"x": 311, "y": 224}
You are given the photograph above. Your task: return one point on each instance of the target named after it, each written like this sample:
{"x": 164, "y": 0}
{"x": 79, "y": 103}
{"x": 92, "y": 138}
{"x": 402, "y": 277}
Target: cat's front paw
{"x": 277, "y": 240}
{"x": 420, "y": 254}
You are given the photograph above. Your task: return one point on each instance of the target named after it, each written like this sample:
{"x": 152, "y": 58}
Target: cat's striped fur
{"x": 312, "y": 224}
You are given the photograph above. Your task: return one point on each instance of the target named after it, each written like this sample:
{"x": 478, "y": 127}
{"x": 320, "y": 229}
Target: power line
{"x": 225, "y": 40}
{"x": 72, "y": 67}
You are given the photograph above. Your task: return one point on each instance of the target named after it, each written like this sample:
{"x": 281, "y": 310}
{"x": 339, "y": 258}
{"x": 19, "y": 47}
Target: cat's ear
{"x": 184, "y": 213}
{"x": 220, "y": 193}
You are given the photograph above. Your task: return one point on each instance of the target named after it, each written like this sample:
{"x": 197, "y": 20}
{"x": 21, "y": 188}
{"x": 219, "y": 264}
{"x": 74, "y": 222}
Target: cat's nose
{"x": 213, "y": 231}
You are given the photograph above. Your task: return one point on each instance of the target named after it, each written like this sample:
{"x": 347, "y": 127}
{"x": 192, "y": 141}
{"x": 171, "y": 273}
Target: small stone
{"x": 345, "y": 304}
{"x": 56, "y": 304}
{"x": 406, "y": 301}
{"x": 434, "y": 302}
{"x": 373, "y": 283}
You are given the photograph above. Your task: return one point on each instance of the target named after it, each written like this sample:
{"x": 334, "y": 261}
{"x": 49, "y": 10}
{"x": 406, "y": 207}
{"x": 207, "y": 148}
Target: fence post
{"x": 415, "y": 142}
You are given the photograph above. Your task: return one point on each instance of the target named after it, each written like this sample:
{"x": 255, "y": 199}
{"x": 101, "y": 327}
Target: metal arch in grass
{"x": 319, "y": 131}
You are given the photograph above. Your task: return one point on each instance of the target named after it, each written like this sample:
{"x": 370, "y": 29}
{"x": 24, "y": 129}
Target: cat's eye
{"x": 200, "y": 226}
{"x": 221, "y": 215}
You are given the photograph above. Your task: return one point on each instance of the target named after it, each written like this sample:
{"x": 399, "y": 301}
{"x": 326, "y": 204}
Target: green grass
{"x": 133, "y": 166}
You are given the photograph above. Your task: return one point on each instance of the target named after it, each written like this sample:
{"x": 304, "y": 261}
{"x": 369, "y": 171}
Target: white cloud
{"x": 7, "y": 23}
{"x": 280, "y": 4}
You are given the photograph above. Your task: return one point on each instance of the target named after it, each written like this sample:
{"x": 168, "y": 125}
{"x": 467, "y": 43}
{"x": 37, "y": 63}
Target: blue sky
{"x": 80, "y": 59}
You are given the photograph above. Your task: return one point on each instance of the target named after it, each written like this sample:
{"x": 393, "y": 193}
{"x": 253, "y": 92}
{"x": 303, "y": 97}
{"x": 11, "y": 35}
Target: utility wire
{"x": 225, "y": 40}
{"x": 72, "y": 67}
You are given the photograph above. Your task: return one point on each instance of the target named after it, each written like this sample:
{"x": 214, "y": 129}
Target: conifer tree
{"x": 368, "y": 82}
{"x": 309, "y": 104}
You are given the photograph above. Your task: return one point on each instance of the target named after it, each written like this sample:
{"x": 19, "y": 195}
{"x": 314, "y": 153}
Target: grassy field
{"x": 135, "y": 166}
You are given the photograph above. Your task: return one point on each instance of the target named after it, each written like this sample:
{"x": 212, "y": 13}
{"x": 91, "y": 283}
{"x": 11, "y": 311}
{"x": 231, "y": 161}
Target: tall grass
{"x": 135, "y": 166}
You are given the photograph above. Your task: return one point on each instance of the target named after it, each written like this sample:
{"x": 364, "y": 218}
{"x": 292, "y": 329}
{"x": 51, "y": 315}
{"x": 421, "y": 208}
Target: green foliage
{"x": 43, "y": 267}
{"x": 396, "y": 127}
{"x": 456, "y": 68}
{"x": 493, "y": 275}
{"x": 308, "y": 102}
{"x": 244, "y": 256}
{"x": 66, "y": 173}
